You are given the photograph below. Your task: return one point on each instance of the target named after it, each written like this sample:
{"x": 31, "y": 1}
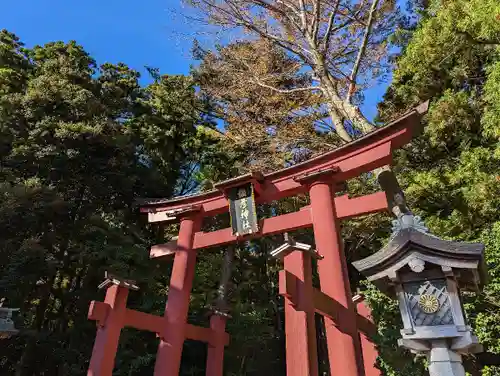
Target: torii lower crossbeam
{"x": 345, "y": 208}
{"x": 112, "y": 316}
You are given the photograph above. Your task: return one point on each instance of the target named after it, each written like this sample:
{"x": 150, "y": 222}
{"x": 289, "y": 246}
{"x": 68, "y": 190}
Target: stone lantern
{"x": 7, "y": 328}
{"x": 427, "y": 275}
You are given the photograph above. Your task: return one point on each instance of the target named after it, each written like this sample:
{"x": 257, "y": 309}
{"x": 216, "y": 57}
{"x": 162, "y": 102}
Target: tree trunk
{"x": 340, "y": 110}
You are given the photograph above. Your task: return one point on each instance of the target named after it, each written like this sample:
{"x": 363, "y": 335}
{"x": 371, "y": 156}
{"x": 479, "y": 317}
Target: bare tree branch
{"x": 362, "y": 50}
{"x": 287, "y": 91}
{"x": 354, "y": 15}
{"x": 331, "y": 22}
{"x": 284, "y": 14}
{"x": 291, "y": 7}
{"x": 316, "y": 20}
{"x": 349, "y": 21}
{"x": 319, "y": 34}
{"x": 303, "y": 14}
{"x": 241, "y": 20}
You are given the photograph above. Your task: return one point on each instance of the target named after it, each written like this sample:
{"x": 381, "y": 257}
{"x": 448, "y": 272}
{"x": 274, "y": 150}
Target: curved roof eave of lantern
{"x": 349, "y": 160}
{"x": 410, "y": 244}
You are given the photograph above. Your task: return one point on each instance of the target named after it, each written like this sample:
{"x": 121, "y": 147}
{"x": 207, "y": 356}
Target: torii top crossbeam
{"x": 348, "y": 161}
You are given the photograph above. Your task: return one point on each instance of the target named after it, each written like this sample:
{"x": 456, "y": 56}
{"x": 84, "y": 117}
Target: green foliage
{"x": 491, "y": 118}
{"x": 452, "y": 171}
{"x": 78, "y": 144}
{"x": 487, "y": 320}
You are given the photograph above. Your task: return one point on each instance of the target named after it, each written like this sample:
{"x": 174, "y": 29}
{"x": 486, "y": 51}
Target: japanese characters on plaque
{"x": 242, "y": 210}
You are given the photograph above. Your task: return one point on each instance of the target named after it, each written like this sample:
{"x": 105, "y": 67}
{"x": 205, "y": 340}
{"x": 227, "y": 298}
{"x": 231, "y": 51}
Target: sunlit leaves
{"x": 452, "y": 171}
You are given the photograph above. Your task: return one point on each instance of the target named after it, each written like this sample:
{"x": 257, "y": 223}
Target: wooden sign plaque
{"x": 242, "y": 210}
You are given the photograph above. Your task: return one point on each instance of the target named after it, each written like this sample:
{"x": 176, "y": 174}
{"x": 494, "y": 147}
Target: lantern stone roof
{"x": 411, "y": 248}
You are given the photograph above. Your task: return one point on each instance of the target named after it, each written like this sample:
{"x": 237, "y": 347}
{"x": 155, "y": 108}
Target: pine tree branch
{"x": 473, "y": 39}
{"x": 354, "y": 16}
{"x": 279, "y": 41}
{"x": 294, "y": 10}
{"x": 330, "y": 30}
{"x": 289, "y": 6}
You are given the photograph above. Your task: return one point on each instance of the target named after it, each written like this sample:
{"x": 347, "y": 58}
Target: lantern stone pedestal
{"x": 443, "y": 361}
{"x": 427, "y": 274}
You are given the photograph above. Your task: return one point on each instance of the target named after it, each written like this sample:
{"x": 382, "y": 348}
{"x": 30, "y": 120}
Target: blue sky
{"x": 137, "y": 33}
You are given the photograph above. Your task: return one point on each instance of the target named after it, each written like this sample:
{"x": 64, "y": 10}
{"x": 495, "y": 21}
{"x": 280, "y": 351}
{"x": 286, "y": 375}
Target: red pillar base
{"x": 215, "y": 355}
{"x": 300, "y": 326}
{"x": 368, "y": 348}
{"x": 102, "y": 361}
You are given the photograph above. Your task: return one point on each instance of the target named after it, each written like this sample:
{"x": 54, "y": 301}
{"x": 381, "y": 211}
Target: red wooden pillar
{"x": 369, "y": 350}
{"x": 108, "y": 333}
{"x": 334, "y": 280}
{"x": 300, "y": 327}
{"x": 168, "y": 358}
{"x": 215, "y": 356}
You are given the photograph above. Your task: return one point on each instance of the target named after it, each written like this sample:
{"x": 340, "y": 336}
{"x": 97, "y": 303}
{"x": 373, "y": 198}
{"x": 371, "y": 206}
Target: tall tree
{"x": 78, "y": 144}
{"x": 452, "y": 171}
{"x": 270, "y": 129}
{"x": 340, "y": 44}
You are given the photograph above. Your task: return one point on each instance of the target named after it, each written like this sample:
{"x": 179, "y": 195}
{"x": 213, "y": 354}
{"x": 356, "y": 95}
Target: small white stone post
{"x": 7, "y": 328}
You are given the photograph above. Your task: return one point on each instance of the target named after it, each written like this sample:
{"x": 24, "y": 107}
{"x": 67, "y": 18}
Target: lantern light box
{"x": 427, "y": 276}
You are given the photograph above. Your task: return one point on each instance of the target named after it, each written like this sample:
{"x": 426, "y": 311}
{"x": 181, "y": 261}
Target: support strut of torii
{"x": 348, "y": 328}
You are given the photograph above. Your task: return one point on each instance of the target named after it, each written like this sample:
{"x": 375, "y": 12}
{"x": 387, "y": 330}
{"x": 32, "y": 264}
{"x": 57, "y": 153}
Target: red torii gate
{"x": 350, "y": 353}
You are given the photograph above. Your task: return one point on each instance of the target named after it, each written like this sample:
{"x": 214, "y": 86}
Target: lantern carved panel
{"x": 428, "y": 303}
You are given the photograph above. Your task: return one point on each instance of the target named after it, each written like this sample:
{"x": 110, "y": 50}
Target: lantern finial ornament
{"x": 426, "y": 274}
{"x": 408, "y": 221}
